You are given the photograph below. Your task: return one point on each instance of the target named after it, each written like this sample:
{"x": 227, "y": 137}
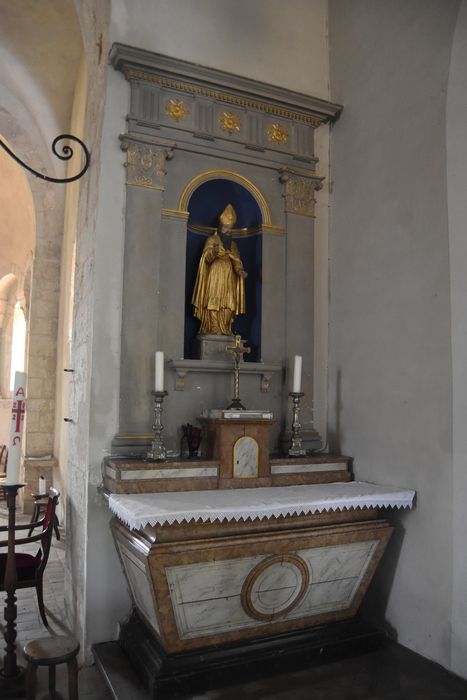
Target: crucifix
{"x": 237, "y": 350}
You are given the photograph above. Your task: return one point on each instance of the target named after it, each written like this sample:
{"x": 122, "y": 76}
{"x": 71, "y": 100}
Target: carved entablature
{"x": 146, "y": 163}
{"x": 194, "y": 102}
{"x": 299, "y": 190}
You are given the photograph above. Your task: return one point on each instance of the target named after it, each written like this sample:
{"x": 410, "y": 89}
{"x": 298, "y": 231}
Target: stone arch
{"x": 36, "y": 98}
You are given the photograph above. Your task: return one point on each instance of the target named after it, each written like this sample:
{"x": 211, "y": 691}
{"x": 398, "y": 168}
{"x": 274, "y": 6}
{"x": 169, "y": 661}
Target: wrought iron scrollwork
{"x": 65, "y": 154}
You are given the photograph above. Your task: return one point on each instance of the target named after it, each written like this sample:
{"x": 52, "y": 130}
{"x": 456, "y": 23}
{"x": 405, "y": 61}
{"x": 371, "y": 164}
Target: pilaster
{"x": 146, "y": 171}
{"x": 299, "y": 187}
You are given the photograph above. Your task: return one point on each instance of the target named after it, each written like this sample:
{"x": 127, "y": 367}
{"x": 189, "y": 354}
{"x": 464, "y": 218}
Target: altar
{"x": 254, "y": 546}
{"x": 213, "y": 570}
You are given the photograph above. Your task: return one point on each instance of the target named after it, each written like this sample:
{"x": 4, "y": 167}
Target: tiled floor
{"x": 392, "y": 673}
{"x": 29, "y": 623}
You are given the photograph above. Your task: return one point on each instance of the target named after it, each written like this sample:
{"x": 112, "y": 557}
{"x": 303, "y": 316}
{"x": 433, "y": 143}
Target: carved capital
{"x": 146, "y": 164}
{"x": 299, "y": 191}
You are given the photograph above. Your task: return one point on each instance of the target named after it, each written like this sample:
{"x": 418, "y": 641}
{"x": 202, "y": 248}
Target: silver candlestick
{"x": 296, "y": 449}
{"x": 158, "y": 451}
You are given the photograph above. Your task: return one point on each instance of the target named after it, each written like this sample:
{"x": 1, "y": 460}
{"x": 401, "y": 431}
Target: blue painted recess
{"x": 207, "y": 202}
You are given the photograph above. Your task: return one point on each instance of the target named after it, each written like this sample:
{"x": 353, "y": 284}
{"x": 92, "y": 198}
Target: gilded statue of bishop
{"x": 219, "y": 293}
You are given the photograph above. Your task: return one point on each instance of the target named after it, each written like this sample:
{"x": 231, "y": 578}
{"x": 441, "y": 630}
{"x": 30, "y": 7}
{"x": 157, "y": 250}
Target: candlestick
{"x": 296, "y": 449}
{"x": 16, "y": 428}
{"x": 297, "y": 374}
{"x": 157, "y": 451}
{"x": 11, "y": 675}
{"x": 159, "y": 371}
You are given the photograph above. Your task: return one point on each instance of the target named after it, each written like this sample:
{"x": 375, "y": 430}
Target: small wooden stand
{"x": 11, "y": 675}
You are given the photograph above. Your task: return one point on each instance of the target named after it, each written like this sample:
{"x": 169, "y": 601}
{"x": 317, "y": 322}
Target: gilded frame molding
{"x": 227, "y": 175}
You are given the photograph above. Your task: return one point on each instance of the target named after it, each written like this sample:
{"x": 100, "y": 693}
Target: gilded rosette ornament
{"x": 299, "y": 191}
{"x": 145, "y": 165}
{"x": 229, "y": 122}
{"x": 176, "y": 109}
{"x": 277, "y": 134}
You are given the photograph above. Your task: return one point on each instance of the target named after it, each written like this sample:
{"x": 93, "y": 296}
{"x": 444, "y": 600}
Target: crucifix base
{"x": 236, "y": 405}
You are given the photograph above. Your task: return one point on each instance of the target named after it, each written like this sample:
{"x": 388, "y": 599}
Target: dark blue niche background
{"x": 207, "y": 202}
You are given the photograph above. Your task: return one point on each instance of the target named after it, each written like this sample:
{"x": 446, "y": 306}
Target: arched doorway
{"x": 17, "y": 242}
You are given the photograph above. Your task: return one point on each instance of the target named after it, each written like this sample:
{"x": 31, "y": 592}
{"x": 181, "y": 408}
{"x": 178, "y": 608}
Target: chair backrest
{"x": 51, "y": 506}
{"x": 48, "y": 527}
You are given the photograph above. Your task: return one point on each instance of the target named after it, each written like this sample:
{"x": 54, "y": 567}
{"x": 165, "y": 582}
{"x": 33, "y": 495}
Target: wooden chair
{"x": 30, "y": 568}
{"x": 40, "y": 508}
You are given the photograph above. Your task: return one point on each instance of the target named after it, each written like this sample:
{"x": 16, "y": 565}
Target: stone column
{"x": 299, "y": 206}
{"x": 143, "y": 258}
{"x": 172, "y": 282}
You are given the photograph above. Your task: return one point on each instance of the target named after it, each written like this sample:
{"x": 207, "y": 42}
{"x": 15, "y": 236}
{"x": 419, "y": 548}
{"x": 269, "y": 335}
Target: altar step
{"x": 118, "y": 673}
{"x": 179, "y": 675}
{"x": 390, "y": 672}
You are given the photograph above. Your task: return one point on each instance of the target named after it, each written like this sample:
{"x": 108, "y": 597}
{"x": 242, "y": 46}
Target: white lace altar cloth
{"x": 141, "y": 509}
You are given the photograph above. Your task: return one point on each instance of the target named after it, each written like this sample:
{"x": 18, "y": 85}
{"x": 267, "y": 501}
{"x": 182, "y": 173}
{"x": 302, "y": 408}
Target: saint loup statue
{"x": 219, "y": 293}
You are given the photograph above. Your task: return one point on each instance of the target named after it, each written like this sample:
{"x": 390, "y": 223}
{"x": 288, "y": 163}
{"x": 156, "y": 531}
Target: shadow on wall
{"x": 374, "y": 605}
{"x": 335, "y": 431}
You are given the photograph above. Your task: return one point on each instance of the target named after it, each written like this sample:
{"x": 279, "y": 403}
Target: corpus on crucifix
{"x": 237, "y": 350}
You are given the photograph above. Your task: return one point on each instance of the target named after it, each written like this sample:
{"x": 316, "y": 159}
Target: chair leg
{"x": 40, "y": 601}
{"x": 52, "y": 681}
{"x": 56, "y": 530}
{"x": 31, "y": 682}
{"x": 73, "y": 679}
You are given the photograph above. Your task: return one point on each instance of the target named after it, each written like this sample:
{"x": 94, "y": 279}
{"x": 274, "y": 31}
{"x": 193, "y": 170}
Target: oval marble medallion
{"x": 275, "y": 586}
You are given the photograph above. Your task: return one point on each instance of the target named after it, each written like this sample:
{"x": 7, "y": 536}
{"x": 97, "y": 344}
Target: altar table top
{"x": 142, "y": 509}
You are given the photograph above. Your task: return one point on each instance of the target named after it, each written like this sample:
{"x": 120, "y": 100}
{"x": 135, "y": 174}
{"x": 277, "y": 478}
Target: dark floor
{"x": 392, "y": 673}
{"x": 388, "y": 673}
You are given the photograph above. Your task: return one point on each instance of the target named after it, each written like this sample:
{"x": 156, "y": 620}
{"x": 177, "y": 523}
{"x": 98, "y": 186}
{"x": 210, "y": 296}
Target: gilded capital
{"x": 299, "y": 191}
{"x": 146, "y": 165}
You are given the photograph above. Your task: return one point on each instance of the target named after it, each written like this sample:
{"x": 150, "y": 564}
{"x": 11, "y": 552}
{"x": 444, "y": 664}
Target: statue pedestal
{"x": 212, "y": 347}
{"x": 242, "y": 448}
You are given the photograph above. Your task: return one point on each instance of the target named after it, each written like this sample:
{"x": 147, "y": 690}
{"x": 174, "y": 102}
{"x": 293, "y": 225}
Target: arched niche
{"x": 205, "y": 205}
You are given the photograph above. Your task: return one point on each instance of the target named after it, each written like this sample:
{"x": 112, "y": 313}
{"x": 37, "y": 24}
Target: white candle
{"x": 42, "y": 489}
{"x": 16, "y": 429}
{"x": 297, "y": 374}
{"x": 159, "y": 373}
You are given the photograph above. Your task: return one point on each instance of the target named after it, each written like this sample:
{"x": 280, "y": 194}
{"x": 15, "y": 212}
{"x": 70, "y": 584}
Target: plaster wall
{"x": 269, "y": 40}
{"x": 456, "y": 139}
{"x": 87, "y": 565}
{"x": 390, "y": 351}
{"x": 64, "y": 378}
